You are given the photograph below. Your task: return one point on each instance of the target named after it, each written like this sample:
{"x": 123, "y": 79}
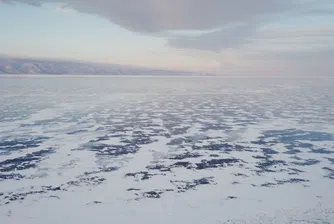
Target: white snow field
{"x": 195, "y": 150}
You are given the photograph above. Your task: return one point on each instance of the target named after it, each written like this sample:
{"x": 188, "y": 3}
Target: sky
{"x": 242, "y": 37}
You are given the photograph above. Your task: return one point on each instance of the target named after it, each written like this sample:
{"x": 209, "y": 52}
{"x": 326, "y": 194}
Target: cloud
{"x": 149, "y": 16}
{"x": 214, "y": 41}
{"x": 235, "y": 23}
{"x": 64, "y": 9}
{"x": 36, "y": 3}
{"x": 321, "y": 11}
{"x": 159, "y": 16}
{"x": 297, "y": 32}
{"x": 320, "y": 7}
{"x": 286, "y": 39}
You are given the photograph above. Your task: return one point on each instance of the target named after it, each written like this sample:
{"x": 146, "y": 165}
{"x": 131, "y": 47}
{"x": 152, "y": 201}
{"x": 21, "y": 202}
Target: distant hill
{"x": 39, "y": 66}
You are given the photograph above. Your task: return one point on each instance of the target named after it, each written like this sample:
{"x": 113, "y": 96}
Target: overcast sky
{"x": 260, "y": 37}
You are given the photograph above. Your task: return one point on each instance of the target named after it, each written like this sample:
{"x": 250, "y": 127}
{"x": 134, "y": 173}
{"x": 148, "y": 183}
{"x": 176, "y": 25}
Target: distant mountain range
{"x": 39, "y": 66}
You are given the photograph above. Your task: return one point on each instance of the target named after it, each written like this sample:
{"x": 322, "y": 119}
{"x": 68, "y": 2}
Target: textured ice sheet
{"x": 166, "y": 150}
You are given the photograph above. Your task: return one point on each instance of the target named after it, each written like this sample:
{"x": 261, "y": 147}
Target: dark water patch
{"x": 216, "y": 163}
{"x": 268, "y": 151}
{"x": 183, "y": 186}
{"x": 76, "y": 132}
{"x": 296, "y": 144}
{"x": 21, "y": 143}
{"x": 160, "y": 167}
{"x": 101, "y": 138}
{"x": 117, "y": 128}
{"x": 97, "y": 202}
{"x": 199, "y": 138}
{"x": 222, "y": 147}
{"x": 167, "y": 135}
{"x": 173, "y": 123}
{"x": 152, "y": 194}
{"x": 330, "y": 172}
{"x": 141, "y": 138}
{"x": 297, "y": 147}
{"x": 307, "y": 162}
{"x": 11, "y": 197}
{"x": 133, "y": 189}
{"x": 240, "y": 175}
{"x": 210, "y": 147}
{"x": 281, "y": 182}
{"x": 292, "y": 151}
{"x": 24, "y": 162}
{"x": 179, "y": 130}
{"x": 293, "y": 135}
{"x": 11, "y": 176}
{"x": 156, "y": 131}
{"x": 292, "y": 180}
{"x": 176, "y": 141}
{"x": 186, "y": 155}
{"x": 138, "y": 140}
{"x": 21, "y": 196}
{"x": 259, "y": 142}
{"x": 102, "y": 170}
{"x": 292, "y": 139}
{"x": 268, "y": 184}
{"x": 167, "y": 168}
{"x": 214, "y": 155}
{"x": 187, "y": 165}
{"x": 231, "y": 197}
{"x": 328, "y": 169}
{"x": 296, "y": 171}
{"x": 331, "y": 160}
{"x": 296, "y": 158}
{"x": 42, "y": 123}
{"x": 214, "y": 127}
{"x": 110, "y": 150}
{"x": 304, "y": 145}
{"x": 87, "y": 181}
{"x": 115, "y": 136}
{"x": 266, "y": 165}
{"x": 142, "y": 175}
{"x": 322, "y": 151}
{"x": 51, "y": 188}
{"x": 260, "y": 157}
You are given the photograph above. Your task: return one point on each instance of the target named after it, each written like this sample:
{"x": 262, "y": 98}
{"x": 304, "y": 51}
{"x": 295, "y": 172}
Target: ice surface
{"x": 166, "y": 150}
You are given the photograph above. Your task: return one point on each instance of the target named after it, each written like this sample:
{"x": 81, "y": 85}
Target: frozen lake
{"x": 195, "y": 150}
